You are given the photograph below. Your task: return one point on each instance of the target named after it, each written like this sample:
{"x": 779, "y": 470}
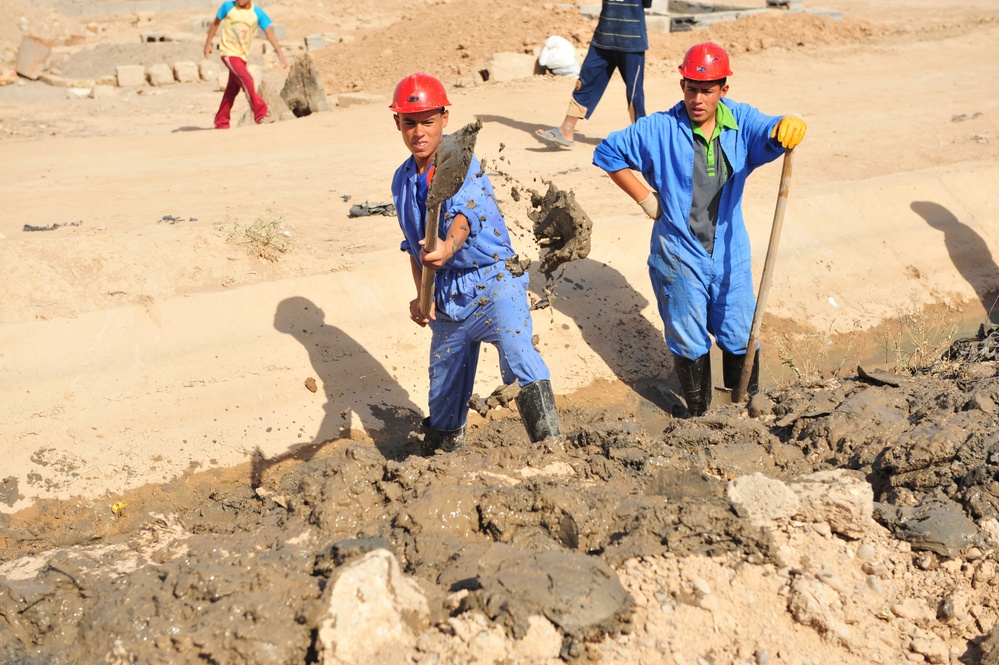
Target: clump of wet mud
{"x": 561, "y": 227}
{"x": 217, "y": 568}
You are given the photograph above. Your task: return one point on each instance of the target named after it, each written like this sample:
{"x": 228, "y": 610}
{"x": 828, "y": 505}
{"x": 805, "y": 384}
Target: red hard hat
{"x": 419, "y": 92}
{"x": 705, "y": 62}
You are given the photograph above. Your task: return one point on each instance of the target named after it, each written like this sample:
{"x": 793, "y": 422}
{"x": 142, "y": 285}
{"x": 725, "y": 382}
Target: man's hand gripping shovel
{"x": 451, "y": 163}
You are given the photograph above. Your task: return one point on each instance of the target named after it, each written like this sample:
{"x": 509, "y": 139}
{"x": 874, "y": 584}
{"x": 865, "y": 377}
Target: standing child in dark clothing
{"x": 619, "y": 42}
{"x": 240, "y": 20}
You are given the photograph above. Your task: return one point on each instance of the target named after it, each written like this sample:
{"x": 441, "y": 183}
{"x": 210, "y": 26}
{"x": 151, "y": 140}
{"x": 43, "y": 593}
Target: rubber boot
{"x": 732, "y": 364}
{"x": 536, "y": 404}
{"x": 695, "y": 379}
{"x": 446, "y": 440}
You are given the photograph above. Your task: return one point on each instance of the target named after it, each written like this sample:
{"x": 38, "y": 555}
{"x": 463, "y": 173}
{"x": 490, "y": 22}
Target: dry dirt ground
{"x": 173, "y": 491}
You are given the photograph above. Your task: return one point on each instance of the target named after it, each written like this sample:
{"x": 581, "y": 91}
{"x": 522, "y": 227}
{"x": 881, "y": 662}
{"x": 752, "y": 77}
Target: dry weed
{"x": 267, "y": 237}
{"x": 915, "y": 339}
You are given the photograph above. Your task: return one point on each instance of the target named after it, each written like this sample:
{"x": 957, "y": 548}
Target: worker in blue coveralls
{"x": 476, "y": 297}
{"x": 696, "y": 157}
{"x": 619, "y": 42}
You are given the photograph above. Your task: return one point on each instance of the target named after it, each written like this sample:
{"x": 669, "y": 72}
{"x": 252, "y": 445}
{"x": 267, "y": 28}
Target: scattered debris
{"x": 173, "y": 219}
{"x": 51, "y": 227}
{"x": 368, "y": 209}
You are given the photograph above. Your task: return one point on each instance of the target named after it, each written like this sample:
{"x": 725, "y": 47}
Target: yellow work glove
{"x": 650, "y": 204}
{"x": 790, "y": 130}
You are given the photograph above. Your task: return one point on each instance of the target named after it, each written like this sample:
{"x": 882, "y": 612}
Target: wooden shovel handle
{"x": 430, "y": 243}
{"x": 768, "y": 269}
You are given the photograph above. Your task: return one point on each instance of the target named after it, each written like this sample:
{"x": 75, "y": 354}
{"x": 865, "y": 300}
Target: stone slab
{"x": 31, "y": 57}
{"x": 130, "y": 75}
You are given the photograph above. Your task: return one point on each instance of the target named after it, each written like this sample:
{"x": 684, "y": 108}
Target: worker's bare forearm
{"x": 212, "y": 29}
{"x": 417, "y": 274}
{"x": 630, "y": 184}
{"x": 272, "y": 38}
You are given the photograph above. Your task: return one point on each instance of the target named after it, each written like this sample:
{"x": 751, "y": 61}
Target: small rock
{"x": 760, "y": 405}
{"x": 865, "y": 552}
{"x": 915, "y": 610}
{"x": 932, "y": 648}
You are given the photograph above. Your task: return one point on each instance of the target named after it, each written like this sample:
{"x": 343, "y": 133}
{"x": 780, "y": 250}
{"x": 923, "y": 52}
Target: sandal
{"x": 554, "y": 135}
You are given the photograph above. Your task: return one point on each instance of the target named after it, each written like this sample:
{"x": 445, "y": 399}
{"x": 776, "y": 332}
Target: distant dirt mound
{"x": 377, "y": 58}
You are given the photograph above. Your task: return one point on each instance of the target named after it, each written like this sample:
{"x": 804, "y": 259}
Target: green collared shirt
{"x": 711, "y": 172}
{"x": 723, "y": 120}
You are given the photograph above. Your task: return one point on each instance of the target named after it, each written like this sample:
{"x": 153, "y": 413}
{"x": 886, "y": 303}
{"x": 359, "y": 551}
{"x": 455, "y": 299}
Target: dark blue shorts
{"x": 598, "y": 66}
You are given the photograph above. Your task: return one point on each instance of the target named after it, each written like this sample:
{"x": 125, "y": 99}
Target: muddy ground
{"x": 242, "y": 566}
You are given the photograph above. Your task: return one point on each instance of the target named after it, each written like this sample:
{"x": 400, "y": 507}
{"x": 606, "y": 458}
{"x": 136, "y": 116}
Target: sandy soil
{"x": 198, "y": 281}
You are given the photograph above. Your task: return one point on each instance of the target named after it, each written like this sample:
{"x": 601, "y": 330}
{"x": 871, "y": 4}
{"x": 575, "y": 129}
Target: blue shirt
{"x": 622, "y": 26}
{"x": 466, "y": 278}
{"x": 661, "y": 148}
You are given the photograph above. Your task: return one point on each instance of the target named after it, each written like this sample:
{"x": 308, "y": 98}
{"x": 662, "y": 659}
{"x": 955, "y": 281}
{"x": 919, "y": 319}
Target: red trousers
{"x": 239, "y": 78}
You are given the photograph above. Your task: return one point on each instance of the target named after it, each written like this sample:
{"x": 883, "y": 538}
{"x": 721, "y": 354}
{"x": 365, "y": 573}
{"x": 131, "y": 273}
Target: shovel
{"x": 739, "y": 394}
{"x": 451, "y": 163}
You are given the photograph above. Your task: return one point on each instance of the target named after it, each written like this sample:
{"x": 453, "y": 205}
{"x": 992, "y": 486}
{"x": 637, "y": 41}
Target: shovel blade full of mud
{"x": 451, "y": 163}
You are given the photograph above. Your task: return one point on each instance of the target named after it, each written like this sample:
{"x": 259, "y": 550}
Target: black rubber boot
{"x": 695, "y": 379}
{"x": 536, "y": 404}
{"x": 446, "y": 440}
{"x": 732, "y": 364}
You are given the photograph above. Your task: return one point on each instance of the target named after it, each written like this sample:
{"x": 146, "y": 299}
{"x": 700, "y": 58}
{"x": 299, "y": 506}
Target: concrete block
{"x": 280, "y": 32}
{"x": 511, "y": 66}
{"x": 103, "y": 92}
{"x": 31, "y": 57}
{"x": 257, "y": 72}
{"x": 159, "y": 74}
{"x": 786, "y": 4}
{"x": 201, "y": 26}
{"x": 314, "y": 42}
{"x": 153, "y": 37}
{"x": 130, "y": 75}
{"x": 186, "y": 72}
{"x": 223, "y": 78}
{"x": 657, "y": 25}
{"x": 209, "y": 70}
{"x": 359, "y": 99}
{"x": 63, "y": 82}
{"x": 54, "y": 80}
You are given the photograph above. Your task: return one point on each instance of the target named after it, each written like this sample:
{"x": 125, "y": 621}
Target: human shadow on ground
{"x": 608, "y": 312}
{"x": 351, "y": 380}
{"x": 531, "y": 127}
{"x": 969, "y": 253}
{"x": 191, "y": 129}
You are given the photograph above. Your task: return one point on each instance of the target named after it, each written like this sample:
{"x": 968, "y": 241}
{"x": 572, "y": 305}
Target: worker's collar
{"x": 723, "y": 120}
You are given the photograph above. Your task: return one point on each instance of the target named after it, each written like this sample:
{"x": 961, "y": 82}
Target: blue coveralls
{"x": 477, "y": 299}
{"x": 619, "y": 42}
{"x": 698, "y": 294}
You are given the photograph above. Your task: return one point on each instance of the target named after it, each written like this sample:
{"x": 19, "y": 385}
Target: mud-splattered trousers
{"x": 476, "y": 297}
{"x": 699, "y": 294}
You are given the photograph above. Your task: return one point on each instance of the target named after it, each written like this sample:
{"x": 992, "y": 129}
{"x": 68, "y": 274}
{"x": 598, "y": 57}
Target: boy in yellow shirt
{"x": 239, "y": 20}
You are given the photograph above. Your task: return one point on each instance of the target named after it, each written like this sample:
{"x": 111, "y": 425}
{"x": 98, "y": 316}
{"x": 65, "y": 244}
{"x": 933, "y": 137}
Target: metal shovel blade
{"x": 451, "y": 163}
